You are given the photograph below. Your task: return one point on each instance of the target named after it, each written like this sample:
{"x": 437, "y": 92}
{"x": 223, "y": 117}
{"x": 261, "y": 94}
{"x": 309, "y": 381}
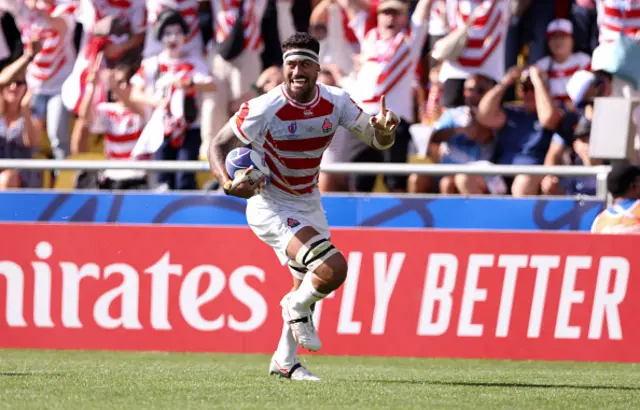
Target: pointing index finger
{"x": 383, "y": 106}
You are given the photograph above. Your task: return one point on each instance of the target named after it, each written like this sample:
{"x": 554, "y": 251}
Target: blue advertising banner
{"x": 342, "y": 210}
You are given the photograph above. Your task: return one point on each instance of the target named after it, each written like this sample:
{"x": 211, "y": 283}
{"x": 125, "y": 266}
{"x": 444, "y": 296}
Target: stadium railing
{"x": 600, "y": 172}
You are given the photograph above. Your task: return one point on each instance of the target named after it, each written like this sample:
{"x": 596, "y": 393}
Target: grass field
{"x": 84, "y": 380}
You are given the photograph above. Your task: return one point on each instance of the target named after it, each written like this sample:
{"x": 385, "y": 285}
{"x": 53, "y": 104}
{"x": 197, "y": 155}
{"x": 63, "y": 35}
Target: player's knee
{"x": 337, "y": 269}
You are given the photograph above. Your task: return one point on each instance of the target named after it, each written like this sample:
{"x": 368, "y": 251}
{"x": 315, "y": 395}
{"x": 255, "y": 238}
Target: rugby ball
{"x": 239, "y": 159}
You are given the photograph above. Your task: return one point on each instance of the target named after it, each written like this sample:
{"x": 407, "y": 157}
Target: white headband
{"x": 301, "y": 54}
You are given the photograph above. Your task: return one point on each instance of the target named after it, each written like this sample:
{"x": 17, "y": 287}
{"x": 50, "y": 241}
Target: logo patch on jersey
{"x": 308, "y": 112}
{"x": 327, "y": 126}
{"x": 292, "y": 127}
{"x": 292, "y": 222}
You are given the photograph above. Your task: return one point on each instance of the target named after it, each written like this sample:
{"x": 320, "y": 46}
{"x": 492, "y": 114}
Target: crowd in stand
{"x": 473, "y": 81}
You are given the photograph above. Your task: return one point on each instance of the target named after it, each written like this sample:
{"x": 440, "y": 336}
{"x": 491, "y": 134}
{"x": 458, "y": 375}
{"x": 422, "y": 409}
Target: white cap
{"x": 579, "y": 84}
{"x": 563, "y": 26}
{"x": 602, "y": 56}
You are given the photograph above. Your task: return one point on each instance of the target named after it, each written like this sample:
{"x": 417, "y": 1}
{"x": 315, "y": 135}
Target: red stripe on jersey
{"x": 45, "y": 77}
{"x": 382, "y": 77}
{"x": 294, "y": 163}
{"x": 301, "y": 145}
{"x": 395, "y": 81}
{"x": 477, "y": 62}
{"x": 480, "y": 21}
{"x": 627, "y": 14}
{"x": 118, "y": 155}
{"x": 133, "y": 136}
{"x": 303, "y": 180}
{"x": 475, "y": 43}
{"x": 296, "y": 192}
{"x": 123, "y": 4}
{"x": 242, "y": 115}
{"x": 291, "y": 113}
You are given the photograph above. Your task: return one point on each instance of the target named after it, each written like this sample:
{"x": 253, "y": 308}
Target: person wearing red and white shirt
{"x": 562, "y": 62}
{"x": 120, "y": 120}
{"x": 155, "y": 85}
{"x": 123, "y": 42}
{"x": 291, "y": 127}
{"x": 51, "y": 22}
{"x": 389, "y": 54}
{"x": 485, "y": 49}
{"x": 239, "y": 69}
{"x": 188, "y": 9}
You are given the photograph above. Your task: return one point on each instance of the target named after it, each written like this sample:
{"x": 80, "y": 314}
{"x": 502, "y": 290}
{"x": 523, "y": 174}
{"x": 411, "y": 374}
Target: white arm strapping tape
{"x": 366, "y": 133}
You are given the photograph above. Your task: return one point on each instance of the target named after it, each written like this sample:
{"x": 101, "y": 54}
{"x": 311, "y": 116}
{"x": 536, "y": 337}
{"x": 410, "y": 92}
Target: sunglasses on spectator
{"x": 477, "y": 90}
{"x": 18, "y": 82}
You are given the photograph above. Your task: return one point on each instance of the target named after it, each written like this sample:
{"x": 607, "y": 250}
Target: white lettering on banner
{"x": 543, "y": 265}
{"x": 569, "y": 296}
{"x": 427, "y": 324}
{"x": 160, "y": 272}
{"x": 249, "y": 297}
{"x": 511, "y": 263}
{"x": 607, "y": 304}
{"x": 42, "y": 287}
{"x": 473, "y": 294}
{"x": 71, "y": 277}
{"x": 384, "y": 282}
{"x": 127, "y": 291}
{"x": 15, "y": 293}
{"x": 346, "y": 324}
{"x": 190, "y": 302}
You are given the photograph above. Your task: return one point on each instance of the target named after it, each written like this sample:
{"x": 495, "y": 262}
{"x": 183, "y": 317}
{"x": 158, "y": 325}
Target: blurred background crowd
{"x": 473, "y": 81}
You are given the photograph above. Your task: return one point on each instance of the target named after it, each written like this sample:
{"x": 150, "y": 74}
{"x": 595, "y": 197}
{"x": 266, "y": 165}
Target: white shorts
{"x": 275, "y": 223}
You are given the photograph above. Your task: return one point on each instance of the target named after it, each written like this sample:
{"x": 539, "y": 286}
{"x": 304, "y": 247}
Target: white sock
{"x": 285, "y": 356}
{"x": 304, "y": 297}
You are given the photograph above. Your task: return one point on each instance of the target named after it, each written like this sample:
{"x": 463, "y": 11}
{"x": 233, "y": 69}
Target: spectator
{"x": 235, "y": 61}
{"x": 458, "y": 138}
{"x": 623, "y": 217}
{"x": 485, "y": 48}
{"x": 562, "y": 62}
{"x": 18, "y": 135}
{"x": 120, "y": 120}
{"x": 117, "y": 29}
{"x": 585, "y": 22}
{"x": 156, "y": 83}
{"x": 390, "y": 53}
{"x": 524, "y": 133}
{"x": 52, "y": 22}
{"x": 583, "y": 88}
{"x": 188, "y": 9}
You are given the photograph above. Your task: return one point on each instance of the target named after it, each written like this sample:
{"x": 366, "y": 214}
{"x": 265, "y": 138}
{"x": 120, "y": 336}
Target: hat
{"x": 392, "y": 5}
{"x": 560, "y": 26}
{"x": 583, "y": 129}
{"x": 578, "y": 85}
{"x": 621, "y": 177}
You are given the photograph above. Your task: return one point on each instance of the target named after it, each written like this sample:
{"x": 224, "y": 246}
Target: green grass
{"x": 84, "y": 380}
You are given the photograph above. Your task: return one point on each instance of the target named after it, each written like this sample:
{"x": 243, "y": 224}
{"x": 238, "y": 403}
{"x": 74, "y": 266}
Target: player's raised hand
{"x": 245, "y": 185}
{"x": 386, "y": 121}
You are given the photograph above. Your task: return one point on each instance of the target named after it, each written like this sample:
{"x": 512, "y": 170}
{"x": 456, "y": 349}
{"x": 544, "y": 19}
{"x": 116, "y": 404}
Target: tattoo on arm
{"x": 219, "y": 146}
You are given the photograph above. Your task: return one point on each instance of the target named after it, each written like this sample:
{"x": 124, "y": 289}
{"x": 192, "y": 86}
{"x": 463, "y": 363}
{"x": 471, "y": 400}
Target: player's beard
{"x": 301, "y": 93}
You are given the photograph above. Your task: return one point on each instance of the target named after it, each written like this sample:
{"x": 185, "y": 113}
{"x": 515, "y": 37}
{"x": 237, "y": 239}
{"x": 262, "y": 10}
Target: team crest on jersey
{"x": 292, "y": 222}
{"x": 327, "y": 126}
{"x": 292, "y": 127}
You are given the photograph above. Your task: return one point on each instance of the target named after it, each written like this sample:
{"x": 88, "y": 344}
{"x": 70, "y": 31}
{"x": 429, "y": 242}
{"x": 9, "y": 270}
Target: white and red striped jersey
{"x": 130, "y": 13}
{"x": 615, "y": 16}
{"x": 388, "y": 66}
{"x": 160, "y": 72}
{"x": 293, "y": 136}
{"x": 225, "y": 13}
{"x": 189, "y": 11}
{"x": 52, "y": 65}
{"x": 485, "y": 50}
{"x": 121, "y": 128}
{"x": 559, "y": 74}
